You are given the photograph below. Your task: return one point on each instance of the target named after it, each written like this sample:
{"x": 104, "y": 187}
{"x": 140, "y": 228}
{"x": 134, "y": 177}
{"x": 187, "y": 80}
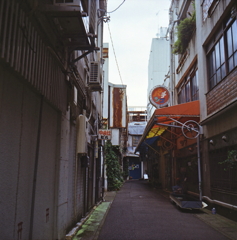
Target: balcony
{"x": 71, "y": 23}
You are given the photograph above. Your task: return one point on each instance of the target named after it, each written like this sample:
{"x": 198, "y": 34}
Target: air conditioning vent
{"x": 95, "y": 80}
{"x": 94, "y": 73}
{"x": 67, "y": 2}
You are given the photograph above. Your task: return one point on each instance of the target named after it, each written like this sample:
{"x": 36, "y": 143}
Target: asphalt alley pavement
{"x": 139, "y": 212}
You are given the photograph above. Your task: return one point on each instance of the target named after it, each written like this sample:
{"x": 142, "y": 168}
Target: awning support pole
{"x": 152, "y": 148}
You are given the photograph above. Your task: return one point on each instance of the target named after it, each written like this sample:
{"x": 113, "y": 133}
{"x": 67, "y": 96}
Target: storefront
{"x": 172, "y": 145}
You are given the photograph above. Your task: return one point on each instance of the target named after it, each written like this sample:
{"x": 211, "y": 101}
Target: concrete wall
{"x": 204, "y": 33}
{"x": 44, "y": 189}
{"x": 48, "y": 207}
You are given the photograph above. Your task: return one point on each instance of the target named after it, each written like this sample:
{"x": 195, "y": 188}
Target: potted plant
{"x": 184, "y": 32}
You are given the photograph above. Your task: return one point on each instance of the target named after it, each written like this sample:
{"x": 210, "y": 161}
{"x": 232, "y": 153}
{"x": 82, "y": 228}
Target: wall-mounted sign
{"x": 104, "y": 134}
{"x": 159, "y": 96}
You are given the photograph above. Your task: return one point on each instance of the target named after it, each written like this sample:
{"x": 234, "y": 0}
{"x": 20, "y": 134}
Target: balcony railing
{"x": 71, "y": 23}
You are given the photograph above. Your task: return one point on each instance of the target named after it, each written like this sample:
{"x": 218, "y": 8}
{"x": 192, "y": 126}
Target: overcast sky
{"x": 132, "y": 26}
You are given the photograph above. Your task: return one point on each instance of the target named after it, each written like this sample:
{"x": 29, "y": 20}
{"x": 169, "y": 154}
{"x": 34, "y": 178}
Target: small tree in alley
{"x": 113, "y": 170}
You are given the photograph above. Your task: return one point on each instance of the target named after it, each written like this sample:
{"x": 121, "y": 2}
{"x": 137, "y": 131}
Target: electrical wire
{"x": 117, "y": 7}
{"x": 115, "y": 54}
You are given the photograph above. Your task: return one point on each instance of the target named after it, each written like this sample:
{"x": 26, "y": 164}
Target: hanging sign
{"x": 159, "y": 96}
{"x": 104, "y": 134}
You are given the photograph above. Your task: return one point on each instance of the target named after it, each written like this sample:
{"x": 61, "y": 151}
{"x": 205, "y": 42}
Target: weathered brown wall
{"x": 223, "y": 94}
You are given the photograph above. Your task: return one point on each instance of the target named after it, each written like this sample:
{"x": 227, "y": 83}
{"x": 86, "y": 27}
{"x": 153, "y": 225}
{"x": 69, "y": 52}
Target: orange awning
{"x": 184, "y": 109}
{"x": 181, "y": 112}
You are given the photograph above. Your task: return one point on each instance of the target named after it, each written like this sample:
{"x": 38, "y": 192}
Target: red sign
{"x": 104, "y": 134}
{"x": 159, "y": 96}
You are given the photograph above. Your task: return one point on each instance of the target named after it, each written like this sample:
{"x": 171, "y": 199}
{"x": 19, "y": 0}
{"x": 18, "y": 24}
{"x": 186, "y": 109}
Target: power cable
{"x": 117, "y": 7}
{"x": 115, "y": 55}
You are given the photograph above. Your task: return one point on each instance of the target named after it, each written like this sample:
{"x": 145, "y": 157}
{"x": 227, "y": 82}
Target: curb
{"x": 89, "y": 227}
{"x": 74, "y": 231}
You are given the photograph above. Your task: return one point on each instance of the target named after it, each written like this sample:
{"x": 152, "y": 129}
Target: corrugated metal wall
{"x": 24, "y": 50}
{"x": 29, "y": 130}
{"x": 47, "y": 189}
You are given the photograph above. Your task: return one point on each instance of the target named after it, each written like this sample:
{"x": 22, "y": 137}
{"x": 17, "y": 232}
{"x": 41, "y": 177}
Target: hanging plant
{"x": 184, "y": 32}
{"x": 231, "y": 161}
{"x": 113, "y": 170}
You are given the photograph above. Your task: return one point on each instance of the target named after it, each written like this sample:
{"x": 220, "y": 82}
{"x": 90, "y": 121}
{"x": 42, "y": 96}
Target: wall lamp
{"x": 212, "y": 142}
{"x": 224, "y": 138}
{"x": 190, "y": 149}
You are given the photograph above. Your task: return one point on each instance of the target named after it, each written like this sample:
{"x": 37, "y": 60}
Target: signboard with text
{"x": 104, "y": 134}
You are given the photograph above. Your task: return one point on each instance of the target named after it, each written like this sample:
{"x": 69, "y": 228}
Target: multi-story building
{"x": 202, "y": 86}
{"x": 158, "y": 66}
{"x": 137, "y": 120}
{"x": 50, "y": 113}
{"x": 114, "y": 114}
{"x": 216, "y": 36}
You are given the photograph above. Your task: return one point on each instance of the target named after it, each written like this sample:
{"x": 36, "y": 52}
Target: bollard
{"x": 213, "y": 211}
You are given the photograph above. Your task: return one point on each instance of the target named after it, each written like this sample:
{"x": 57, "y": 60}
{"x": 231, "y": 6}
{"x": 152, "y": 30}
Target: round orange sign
{"x": 159, "y": 96}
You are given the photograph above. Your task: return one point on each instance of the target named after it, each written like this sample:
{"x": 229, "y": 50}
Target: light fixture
{"x": 211, "y": 142}
{"x": 224, "y": 138}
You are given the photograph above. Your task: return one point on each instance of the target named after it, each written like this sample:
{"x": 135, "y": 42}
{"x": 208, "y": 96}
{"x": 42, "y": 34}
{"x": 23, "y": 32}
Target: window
{"x": 194, "y": 87}
{"x": 208, "y": 7}
{"x": 222, "y": 53}
{"x": 181, "y": 95}
{"x": 135, "y": 140}
{"x": 189, "y": 90}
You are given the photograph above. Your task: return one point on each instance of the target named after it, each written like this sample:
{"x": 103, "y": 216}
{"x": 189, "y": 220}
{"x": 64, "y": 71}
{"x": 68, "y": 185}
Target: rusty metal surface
{"x": 118, "y": 107}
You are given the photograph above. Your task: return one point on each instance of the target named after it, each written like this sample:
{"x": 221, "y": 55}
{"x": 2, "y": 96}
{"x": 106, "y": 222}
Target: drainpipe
{"x": 172, "y": 72}
{"x": 172, "y": 58}
{"x": 199, "y": 169}
{"x": 35, "y": 170}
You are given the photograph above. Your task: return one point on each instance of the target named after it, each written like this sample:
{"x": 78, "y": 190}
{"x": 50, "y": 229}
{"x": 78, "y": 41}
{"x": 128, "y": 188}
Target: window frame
{"x": 217, "y": 52}
{"x": 185, "y": 91}
{"x": 208, "y": 7}
{"x": 135, "y": 140}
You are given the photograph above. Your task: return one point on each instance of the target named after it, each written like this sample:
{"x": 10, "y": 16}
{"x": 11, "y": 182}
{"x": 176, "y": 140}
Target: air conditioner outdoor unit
{"x": 67, "y": 2}
{"x": 94, "y": 73}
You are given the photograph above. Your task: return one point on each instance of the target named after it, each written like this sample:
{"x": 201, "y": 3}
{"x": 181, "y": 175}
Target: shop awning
{"x": 163, "y": 118}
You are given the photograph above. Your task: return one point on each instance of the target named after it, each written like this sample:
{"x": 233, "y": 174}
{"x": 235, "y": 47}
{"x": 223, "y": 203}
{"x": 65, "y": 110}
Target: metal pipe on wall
{"x": 217, "y": 202}
{"x": 35, "y": 169}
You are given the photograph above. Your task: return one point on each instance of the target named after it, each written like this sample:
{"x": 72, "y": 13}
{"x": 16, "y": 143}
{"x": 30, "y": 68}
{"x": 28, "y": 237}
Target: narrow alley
{"x": 106, "y": 107}
{"x": 139, "y": 211}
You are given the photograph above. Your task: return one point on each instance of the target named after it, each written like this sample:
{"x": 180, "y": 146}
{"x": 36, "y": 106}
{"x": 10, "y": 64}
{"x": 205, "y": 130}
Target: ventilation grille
{"x": 67, "y": 2}
{"x": 94, "y": 73}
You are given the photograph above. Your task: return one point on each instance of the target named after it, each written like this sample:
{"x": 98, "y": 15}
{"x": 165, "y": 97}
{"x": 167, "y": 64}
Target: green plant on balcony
{"x": 184, "y": 32}
{"x": 231, "y": 160}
